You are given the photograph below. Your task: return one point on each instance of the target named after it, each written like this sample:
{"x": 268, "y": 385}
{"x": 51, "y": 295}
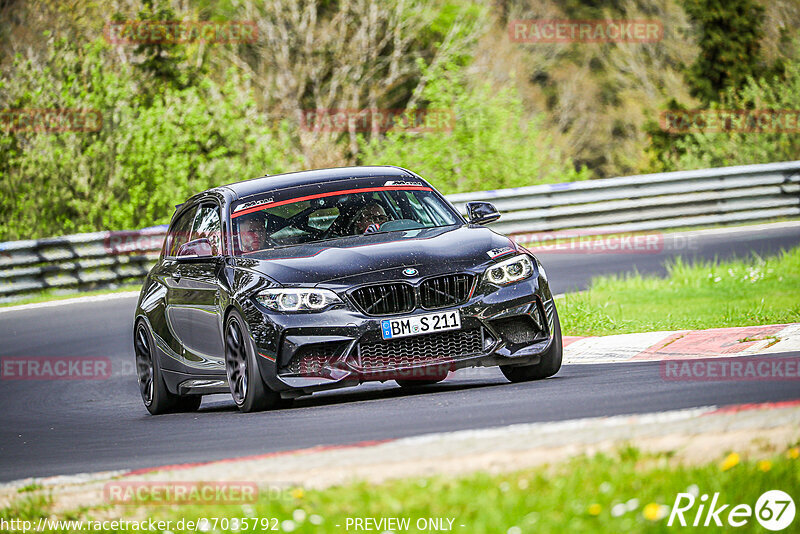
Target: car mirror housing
{"x": 481, "y": 212}
{"x": 197, "y": 248}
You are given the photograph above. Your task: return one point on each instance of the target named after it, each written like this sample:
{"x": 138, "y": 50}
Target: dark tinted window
{"x": 206, "y": 224}
{"x": 179, "y": 232}
{"x": 336, "y": 214}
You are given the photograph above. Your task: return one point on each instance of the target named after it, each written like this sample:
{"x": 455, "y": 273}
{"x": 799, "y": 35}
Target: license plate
{"x": 420, "y": 324}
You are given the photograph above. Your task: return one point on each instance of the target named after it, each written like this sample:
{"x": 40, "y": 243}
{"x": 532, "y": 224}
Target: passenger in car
{"x": 371, "y": 214}
{"x": 253, "y": 232}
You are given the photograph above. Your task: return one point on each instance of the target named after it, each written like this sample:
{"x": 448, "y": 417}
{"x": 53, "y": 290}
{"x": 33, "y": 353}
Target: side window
{"x": 206, "y": 224}
{"x": 179, "y": 233}
{"x": 437, "y": 209}
{"x": 420, "y": 213}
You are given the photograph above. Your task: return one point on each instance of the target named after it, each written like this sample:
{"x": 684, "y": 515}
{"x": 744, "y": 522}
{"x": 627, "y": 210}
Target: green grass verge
{"x": 692, "y": 296}
{"x": 53, "y": 294}
{"x": 626, "y": 491}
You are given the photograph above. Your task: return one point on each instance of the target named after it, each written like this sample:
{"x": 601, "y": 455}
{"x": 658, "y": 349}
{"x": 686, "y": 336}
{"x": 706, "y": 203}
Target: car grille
{"x": 385, "y": 299}
{"x": 519, "y": 329}
{"x": 400, "y": 297}
{"x": 310, "y": 360}
{"x": 416, "y": 350}
{"x": 444, "y": 291}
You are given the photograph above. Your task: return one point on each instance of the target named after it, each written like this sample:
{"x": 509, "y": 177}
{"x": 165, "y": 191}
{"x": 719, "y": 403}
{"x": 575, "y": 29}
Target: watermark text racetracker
{"x": 48, "y": 120}
{"x": 378, "y": 120}
{"x": 55, "y": 368}
{"x": 740, "y": 368}
{"x": 585, "y": 31}
{"x": 71, "y": 367}
{"x": 134, "y": 241}
{"x": 578, "y": 242}
{"x": 185, "y": 492}
{"x": 731, "y": 121}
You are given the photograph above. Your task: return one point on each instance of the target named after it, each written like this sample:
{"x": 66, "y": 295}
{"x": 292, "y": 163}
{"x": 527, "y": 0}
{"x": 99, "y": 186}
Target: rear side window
{"x": 180, "y": 232}
{"x": 206, "y": 224}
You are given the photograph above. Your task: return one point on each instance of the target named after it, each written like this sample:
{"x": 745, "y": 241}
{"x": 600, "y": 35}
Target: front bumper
{"x": 302, "y": 353}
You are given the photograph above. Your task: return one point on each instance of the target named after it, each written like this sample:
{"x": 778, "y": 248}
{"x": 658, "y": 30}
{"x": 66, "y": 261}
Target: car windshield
{"x": 272, "y": 222}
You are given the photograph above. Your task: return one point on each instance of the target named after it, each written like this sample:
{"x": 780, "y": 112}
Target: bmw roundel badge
{"x": 410, "y": 272}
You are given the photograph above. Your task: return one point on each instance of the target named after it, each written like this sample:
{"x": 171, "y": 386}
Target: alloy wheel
{"x": 144, "y": 364}
{"x": 236, "y": 361}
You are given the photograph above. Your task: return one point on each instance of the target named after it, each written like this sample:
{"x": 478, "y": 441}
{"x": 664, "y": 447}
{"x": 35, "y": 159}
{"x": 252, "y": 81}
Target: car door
{"x": 195, "y": 302}
{"x": 169, "y": 272}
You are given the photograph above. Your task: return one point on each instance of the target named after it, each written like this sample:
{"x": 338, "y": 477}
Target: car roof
{"x": 292, "y": 179}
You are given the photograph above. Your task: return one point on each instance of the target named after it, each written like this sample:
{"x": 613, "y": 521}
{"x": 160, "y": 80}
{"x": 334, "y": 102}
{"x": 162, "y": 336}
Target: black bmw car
{"x": 285, "y": 285}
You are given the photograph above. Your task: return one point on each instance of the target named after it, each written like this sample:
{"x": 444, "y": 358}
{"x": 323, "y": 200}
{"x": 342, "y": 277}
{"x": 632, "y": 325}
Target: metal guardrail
{"x": 649, "y": 201}
{"x": 595, "y": 207}
{"x": 82, "y": 261}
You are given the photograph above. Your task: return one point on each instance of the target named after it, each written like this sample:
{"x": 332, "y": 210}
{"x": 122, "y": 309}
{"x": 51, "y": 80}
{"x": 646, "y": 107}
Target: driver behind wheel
{"x": 253, "y": 232}
{"x": 370, "y": 217}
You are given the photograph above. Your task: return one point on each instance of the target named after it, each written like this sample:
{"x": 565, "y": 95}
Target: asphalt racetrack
{"x": 66, "y": 427}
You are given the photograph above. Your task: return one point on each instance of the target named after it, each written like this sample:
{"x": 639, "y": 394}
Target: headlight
{"x": 511, "y": 270}
{"x": 297, "y": 299}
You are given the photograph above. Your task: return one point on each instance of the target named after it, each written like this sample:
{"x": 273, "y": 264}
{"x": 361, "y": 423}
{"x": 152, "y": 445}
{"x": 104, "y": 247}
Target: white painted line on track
{"x": 611, "y": 349}
{"x": 552, "y": 427}
{"x": 737, "y": 229}
{"x": 789, "y": 340}
{"x": 62, "y": 480}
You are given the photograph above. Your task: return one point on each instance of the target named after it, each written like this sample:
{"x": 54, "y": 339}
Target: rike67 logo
{"x": 774, "y": 510}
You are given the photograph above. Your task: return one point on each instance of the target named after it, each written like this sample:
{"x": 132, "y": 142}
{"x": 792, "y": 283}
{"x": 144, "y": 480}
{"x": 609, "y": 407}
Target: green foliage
{"x": 165, "y": 64}
{"x": 730, "y": 34}
{"x": 489, "y": 144}
{"x": 781, "y": 93}
{"x": 450, "y": 15}
{"x": 144, "y": 160}
{"x": 665, "y": 148}
{"x": 178, "y": 119}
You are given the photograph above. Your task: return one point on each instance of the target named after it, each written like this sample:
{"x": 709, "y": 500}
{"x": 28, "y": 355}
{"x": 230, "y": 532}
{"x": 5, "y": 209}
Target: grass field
{"x": 701, "y": 295}
{"x": 627, "y": 491}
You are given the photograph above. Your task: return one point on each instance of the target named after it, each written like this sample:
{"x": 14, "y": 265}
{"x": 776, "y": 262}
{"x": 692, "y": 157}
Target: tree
{"x": 777, "y": 96}
{"x": 489, "y": 143}
{"x": 729, "y": 37}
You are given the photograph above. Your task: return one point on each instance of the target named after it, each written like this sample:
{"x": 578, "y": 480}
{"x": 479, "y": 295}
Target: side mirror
{"x": 481, "y": 212}
{"x": 197, "y": 248}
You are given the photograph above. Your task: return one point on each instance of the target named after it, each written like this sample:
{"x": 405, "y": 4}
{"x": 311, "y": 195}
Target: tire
{"x": 549, "y": 364}
{"x": 248, "y": 389}
{"x": 155, "y": 395}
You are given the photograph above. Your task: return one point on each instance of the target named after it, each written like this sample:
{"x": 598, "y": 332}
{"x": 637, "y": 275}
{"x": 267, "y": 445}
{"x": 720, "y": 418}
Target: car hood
{"x": 368, "y": 258}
